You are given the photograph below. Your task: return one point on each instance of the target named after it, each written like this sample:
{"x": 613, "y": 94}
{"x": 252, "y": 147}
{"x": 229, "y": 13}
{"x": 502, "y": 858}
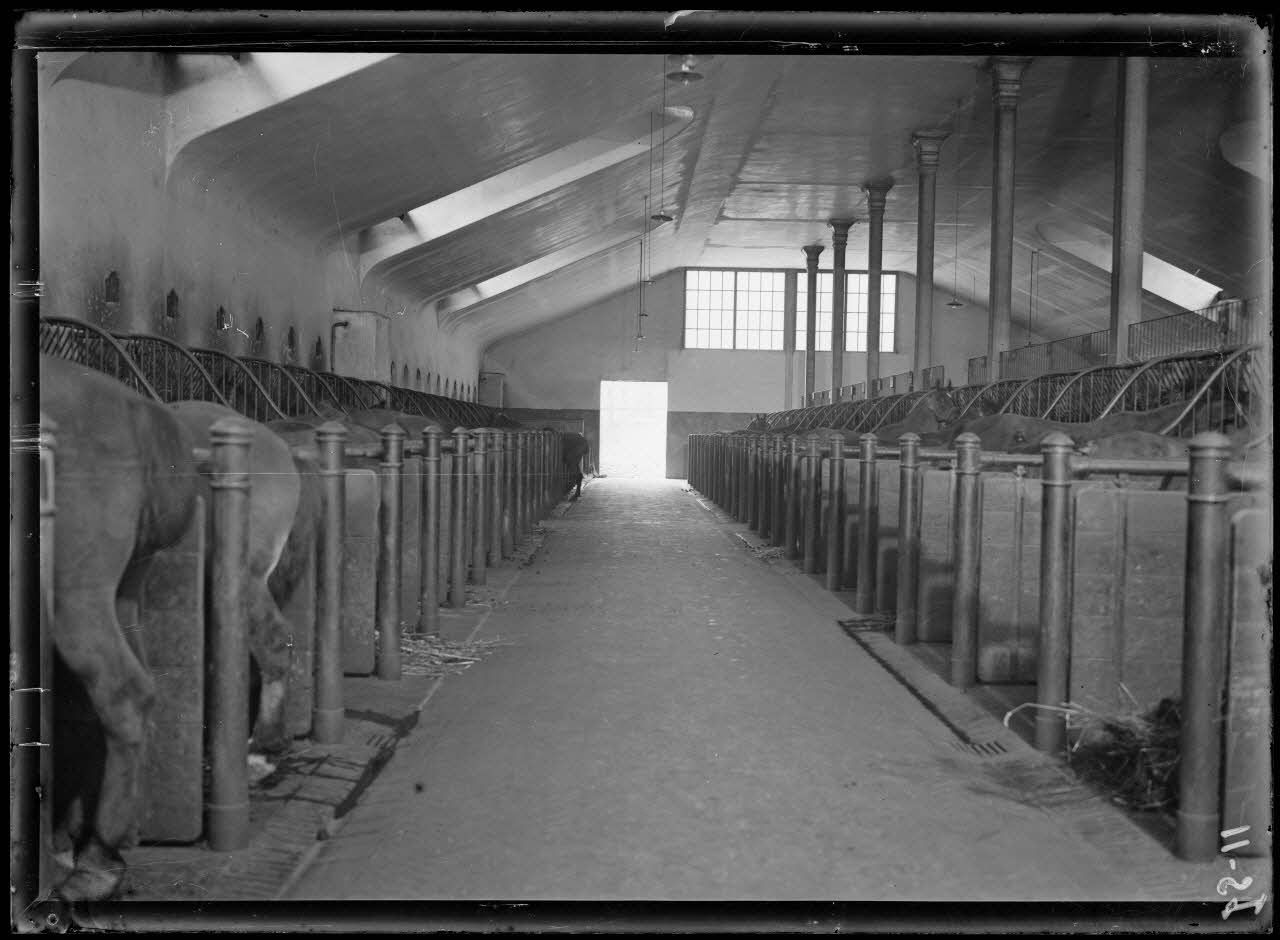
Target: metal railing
{"x": 898, "y": 384}
{"x": 932, "y": 377}
{"x": 94, "y": 347}
{"x": 1069, "y": 354}
{"x": 171, "y": 370}
{"x": 977, "y": 371}
{"x": 1220, "y": 325}
{"x": 238, "y": 385}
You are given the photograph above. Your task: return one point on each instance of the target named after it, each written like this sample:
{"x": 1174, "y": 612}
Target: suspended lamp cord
{"x": 955, "y": 301}
{"x": 662, "y": 144}
{"x": 1033, "y": 289}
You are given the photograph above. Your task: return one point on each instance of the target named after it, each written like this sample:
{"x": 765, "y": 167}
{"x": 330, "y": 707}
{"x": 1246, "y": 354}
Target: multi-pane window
{"x": 855, "y": 322}
{"x": 734, "y": 309}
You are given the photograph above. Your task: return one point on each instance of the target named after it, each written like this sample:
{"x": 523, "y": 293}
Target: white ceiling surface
{"x": 777, "y": 146}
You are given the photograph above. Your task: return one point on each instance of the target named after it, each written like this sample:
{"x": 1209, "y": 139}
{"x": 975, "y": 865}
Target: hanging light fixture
{"x": 955, "y": 302}
{"x": 661, "y": 216}
{"x": 687, "y": 73}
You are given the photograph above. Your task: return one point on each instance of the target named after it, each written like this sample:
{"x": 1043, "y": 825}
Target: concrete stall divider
{"x": 1009, "y": 579}
{"x": 171, "y": 614}
{"x": 1128, "y": 584}
{"x": 359, "y": 572}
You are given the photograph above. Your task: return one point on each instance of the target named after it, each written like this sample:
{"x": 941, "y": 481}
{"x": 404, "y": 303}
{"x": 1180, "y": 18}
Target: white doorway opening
{"x": 633, "y": 429}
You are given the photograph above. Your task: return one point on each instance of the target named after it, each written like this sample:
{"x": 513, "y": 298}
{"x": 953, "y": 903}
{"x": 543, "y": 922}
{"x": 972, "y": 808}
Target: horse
{"x": 574, "y": 447}
{"x": 275, "y": 494}
{"x": 127, "y": 487}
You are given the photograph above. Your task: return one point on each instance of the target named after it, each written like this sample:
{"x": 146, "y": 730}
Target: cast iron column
{"x": 927, "y": 145}
{"x": 839, "y": 239}
{"x": 877, "y": 194}
{"x": 1129, "y": 199}
{"x": 811, "y": 253}
{"x": 788, "y": 340}
{"x": 1006, "y": 74}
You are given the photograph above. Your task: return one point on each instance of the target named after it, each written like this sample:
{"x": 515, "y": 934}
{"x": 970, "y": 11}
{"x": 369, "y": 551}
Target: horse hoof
{"x": 272, "y": 744}
{"x": 259, "y": 768}
{"x": 89, "y": 884}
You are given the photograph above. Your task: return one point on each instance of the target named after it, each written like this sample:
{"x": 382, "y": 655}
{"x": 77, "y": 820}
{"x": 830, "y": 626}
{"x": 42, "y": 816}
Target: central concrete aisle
{"x": 674, "y": 719}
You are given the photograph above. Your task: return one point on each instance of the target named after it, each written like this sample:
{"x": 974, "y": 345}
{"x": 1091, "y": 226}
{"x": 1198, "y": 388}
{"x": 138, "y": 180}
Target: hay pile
{"x": 1134, "y": 757}
{"x": 433, "y": 656}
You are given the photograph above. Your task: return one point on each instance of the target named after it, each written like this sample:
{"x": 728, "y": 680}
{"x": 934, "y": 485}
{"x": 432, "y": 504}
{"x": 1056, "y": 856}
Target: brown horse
{"x": 126, "y": 487}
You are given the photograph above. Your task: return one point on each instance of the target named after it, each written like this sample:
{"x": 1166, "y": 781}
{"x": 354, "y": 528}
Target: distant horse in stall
{"x": 127, "y": 488}
{"x": 934, "y": 410}
{"x": 573, "y": 448}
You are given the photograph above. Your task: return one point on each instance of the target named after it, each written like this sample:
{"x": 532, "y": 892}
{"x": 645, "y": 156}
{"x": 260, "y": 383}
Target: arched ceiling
{"x": 502, "y": 190}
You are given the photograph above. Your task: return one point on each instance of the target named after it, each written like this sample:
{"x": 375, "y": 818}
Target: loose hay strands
{"x": 434, "y": 656}
{"x": 1133, "y": 757}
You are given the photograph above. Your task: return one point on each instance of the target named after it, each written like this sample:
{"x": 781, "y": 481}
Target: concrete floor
{"x": 676, "y": 718}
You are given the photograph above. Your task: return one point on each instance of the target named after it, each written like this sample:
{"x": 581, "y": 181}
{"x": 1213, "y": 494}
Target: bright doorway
{"x": 633, "y": 429}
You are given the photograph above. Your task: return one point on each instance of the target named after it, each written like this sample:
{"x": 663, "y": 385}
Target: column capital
{"x": 811, "y": 253}
{"x": 928, "y": 145}
{"x": 877, "y": 193}
{"x": 1006, "y": 79}
{"x": 840, "y": 230}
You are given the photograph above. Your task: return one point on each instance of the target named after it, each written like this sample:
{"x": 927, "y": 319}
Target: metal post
{"x": 809, "y": 488}
{"x": 835, "y": 514}
{"x": 389, "y": 557}
{"x": 480, "y": 518}
{"x": 724, "y": 473}
{"x": 429, "y": 615}
{"x": 227, "y": 822}
{"x": 32, "y": 712}
{"x": 968, "y": 539}
{"x": 327, "y": 711}
{"x": 762, "y": 486}
{"x": 508, "y": 493}
{"x": 1055, "y": 592}
{"x": 522, "y": 484}
{"x": 493, "y": 548}
{"x": 751, "y": 511}
{"x": 864, "y": 597}
{"x": 777, "y": 518}
{"x": 539, "y": 475}
{"x": 461, "y": 515}
{"x": 446, "y": 516}
{"x": 1203, "y": 644}
{"x": 764, "y": 495}
{"x": 905, "y": 621}
{"x": 794, "y": 499}
{"x": 732, "y": 451}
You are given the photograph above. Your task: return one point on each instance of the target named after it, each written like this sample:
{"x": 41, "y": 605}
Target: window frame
{"x": 802, "y": 313}
{"x": 801, "y": 290}
{"x": 733, "y": 329}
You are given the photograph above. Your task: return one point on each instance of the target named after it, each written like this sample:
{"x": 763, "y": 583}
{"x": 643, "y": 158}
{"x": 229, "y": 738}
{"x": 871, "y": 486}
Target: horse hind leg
{"x": 93, "y": 647}
{"x": 271, "y": 644}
